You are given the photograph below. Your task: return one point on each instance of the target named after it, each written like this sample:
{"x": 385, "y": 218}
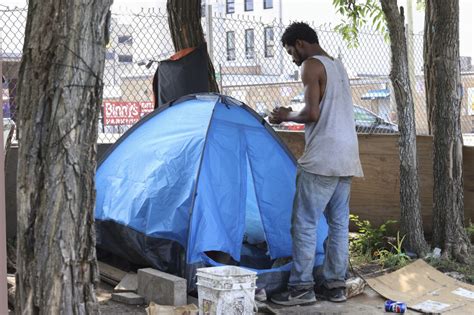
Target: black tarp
{"x": 186, "y": 75}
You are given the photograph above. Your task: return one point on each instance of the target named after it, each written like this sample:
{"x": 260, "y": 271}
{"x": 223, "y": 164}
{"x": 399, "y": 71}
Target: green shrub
{"x": 370, "y": 239}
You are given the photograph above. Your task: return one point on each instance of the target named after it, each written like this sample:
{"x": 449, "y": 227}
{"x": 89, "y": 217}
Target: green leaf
{"x": 378, "y": 26}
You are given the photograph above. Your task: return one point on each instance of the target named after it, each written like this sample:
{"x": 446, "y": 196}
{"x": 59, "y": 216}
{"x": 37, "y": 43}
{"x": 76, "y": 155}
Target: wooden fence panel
{"x": 376, "y": 197}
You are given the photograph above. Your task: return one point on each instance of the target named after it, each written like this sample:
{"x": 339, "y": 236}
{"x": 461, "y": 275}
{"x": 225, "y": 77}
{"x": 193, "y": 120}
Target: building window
{"x": 109, "y": 55}
{"x": 269, "y": 42}
{"x": 248, "y": 5}
{"x": 268, "y": 4}
{"x": 125, "y": 58}
{"x": 249, "y": 44}
{"x": 230, "y": 6}
{"x": 230, "y": 45}
{"x": 125, "y": 39}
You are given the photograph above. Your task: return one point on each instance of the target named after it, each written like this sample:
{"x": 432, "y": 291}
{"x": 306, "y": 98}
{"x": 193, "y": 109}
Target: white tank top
{"x": 331, "y": 147}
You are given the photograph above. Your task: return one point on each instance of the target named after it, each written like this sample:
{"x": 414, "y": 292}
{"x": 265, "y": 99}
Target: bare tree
{"x": 443, "y": 99}
{"x": 184, "y": 20}
{"x": 411, "y": 223}
{"x": 59, "y": 95}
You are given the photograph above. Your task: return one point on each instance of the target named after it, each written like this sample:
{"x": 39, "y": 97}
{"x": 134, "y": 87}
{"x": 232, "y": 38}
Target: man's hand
{"x": 280, "y": 114}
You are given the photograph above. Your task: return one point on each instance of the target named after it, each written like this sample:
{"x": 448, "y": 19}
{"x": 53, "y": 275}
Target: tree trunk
{"x": 59, "y": 96}
{"x": 411, "y": 223}
{"x": 184, "y": 20}
{"x": 443, "y": 98}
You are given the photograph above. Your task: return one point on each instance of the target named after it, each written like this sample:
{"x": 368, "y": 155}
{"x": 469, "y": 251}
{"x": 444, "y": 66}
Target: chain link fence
{"x": 250, "y": 64}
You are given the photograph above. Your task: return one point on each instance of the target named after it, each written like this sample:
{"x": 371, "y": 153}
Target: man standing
{"x": 330, "y": 160}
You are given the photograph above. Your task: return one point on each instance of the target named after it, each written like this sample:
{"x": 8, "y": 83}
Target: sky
{"x": 322, "y": 11}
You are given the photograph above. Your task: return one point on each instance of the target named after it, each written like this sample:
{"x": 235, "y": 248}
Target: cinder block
{"x": 161, "y": 287}
{"x": 128, "y": 298}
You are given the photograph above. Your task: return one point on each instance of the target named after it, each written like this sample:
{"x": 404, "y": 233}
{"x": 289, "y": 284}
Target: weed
{"x": 370, "y": 239}
{"x": 394, "y": 257}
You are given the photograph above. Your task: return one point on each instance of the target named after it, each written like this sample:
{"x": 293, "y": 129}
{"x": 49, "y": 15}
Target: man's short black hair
{"x": 301, "y": 31}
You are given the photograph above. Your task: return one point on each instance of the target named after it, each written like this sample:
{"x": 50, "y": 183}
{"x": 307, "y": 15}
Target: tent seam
{"x": 197, "y": 178}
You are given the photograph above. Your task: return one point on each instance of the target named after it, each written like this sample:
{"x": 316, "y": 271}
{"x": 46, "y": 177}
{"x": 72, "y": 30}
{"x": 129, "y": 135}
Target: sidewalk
{"x": 367, "y": 303}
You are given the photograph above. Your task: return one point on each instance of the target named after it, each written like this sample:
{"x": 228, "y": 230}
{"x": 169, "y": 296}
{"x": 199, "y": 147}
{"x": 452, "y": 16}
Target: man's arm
{"x": 312, "y": 73}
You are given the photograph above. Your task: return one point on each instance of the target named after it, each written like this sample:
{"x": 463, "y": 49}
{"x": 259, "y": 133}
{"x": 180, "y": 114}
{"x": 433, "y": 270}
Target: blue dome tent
{"x": 202, "y": 174}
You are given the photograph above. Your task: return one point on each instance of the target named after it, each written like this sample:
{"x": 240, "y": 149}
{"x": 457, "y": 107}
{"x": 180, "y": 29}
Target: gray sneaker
{"x": 334, "y": 295}
{"x": 294, "y": 297}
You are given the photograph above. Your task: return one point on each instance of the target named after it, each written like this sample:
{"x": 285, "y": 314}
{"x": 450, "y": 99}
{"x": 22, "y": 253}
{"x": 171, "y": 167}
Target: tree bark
{"x": 411, "y": 223}
{"x": 59, "y": 96}
{"x": 443, "y": 98}
{"x": 184, "y": 20}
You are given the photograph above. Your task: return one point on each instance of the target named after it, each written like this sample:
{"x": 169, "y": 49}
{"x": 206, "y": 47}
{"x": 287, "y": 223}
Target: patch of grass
{"x": 370, "y": 246}
{"x": 394, "y": 258}
{"x": 447, "y": 265}
{"x": 361, "y": 259}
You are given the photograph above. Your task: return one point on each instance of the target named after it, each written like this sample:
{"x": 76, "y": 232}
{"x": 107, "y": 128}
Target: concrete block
{"x": 161, "y": 287}
{"x": 128, "y": 298}
{"x": 129, "y": 283}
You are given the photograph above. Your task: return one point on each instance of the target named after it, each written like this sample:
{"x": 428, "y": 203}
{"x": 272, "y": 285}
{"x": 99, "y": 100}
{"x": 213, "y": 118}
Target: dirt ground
{"x": 368, "y": 302}
{"x": 109, "y": 307}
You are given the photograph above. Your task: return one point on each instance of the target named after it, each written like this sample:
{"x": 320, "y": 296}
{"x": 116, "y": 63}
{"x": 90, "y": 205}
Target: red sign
{"x": 147, "y": 107}
{"x": 125, "y": 113}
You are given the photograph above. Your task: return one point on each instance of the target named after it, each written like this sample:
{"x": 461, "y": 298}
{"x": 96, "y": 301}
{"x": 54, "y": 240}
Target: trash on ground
{"x": 395, "y": 307}
{"x": 425, "y": 289}
{"x": 354, "y": 286}
{"x": 157, "y": 309}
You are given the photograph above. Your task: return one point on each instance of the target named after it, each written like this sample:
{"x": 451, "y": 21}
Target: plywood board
{"x": 376, "y": 197}
{"x": 110, "y": 274}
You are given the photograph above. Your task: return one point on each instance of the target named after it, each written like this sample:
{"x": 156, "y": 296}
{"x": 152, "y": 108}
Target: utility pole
{"x": 277, "y": 39}
{"x": 209, "y": 39}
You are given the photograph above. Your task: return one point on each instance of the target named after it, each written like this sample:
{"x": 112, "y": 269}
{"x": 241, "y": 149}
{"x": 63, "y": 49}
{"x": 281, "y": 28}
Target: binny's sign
{"x": 125, "y": 113}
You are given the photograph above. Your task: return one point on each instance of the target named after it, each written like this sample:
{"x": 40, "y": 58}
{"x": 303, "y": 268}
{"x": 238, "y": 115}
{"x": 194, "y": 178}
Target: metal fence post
{"x": 3, "y": 230}
{"x": 210, "y": 44}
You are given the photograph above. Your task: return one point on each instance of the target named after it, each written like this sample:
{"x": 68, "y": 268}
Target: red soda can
{"x": 395, "y": 307}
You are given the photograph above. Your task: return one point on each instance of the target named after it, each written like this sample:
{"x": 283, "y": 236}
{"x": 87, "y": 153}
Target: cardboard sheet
{"x": 425, "y": 289}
